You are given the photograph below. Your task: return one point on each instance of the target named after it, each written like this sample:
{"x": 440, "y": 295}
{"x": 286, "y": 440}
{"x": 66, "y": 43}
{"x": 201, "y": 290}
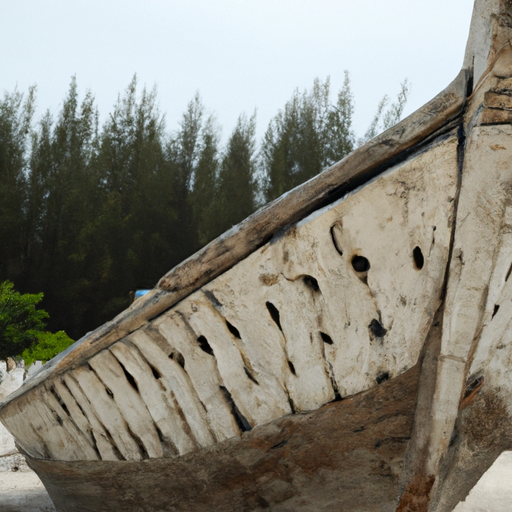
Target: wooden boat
{"x": 347, "y": 347}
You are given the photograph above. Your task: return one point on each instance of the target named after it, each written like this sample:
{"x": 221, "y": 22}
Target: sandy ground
{"x": 493, "y": 492}
{"x": 22, "y": 491}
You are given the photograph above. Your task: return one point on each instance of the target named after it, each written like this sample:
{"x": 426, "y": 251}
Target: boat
{"x": 346, "y": 347}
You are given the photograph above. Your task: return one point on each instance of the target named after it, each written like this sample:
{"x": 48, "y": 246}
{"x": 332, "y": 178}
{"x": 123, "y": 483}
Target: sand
{"x": 22, "y": 491}
{"x": 493, "y": 492}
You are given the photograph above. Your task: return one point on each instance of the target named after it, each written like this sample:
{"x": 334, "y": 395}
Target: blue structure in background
{"x": 140, "y": 293}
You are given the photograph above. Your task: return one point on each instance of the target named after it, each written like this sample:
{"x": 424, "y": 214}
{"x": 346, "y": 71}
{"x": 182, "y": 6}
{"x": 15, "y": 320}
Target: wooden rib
{"x": 53, "y": 435}
{"x": 75, "y": 441}
{"x": 257, "y": 403}
{"x": 107, "y": 412}
{"x": 309, "y": 384}
{"x": 26, "y": 437}
{"x": 178, "y": 387}
{"x": 202, "y": 370}
{"x": 103, "y": 441}
{"x": 176, "y": 438}
{"x": 129, "y": 402}
{"x": 76, "y": 413}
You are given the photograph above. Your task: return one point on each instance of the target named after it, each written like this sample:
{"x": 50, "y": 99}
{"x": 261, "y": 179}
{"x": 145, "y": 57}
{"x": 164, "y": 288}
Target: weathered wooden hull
{"x": 345, "y": 456}
{"x": 345, "y": 348}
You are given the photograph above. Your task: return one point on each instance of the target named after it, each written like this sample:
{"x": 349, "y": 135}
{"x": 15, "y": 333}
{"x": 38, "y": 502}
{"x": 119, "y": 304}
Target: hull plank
{"x": 175, "y": 438}
{"x": 129, "y": 402}
{"x": 176, "y": 338}
{"x": 106, "y": 411}
{"x": 178, "y": 389}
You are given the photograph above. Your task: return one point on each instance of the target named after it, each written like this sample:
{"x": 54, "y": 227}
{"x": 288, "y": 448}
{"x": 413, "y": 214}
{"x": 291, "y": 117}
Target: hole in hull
{"x": 233, "y": 330}
{"x": 292, "y": 368}
{"x": 178, "y": 357}
{"x": 377, "y": 329}
{"x": 130, "y": 378}
{"x": 419, "y": 260}
{"x": 336, "y": 235}
{"x": 205, "y": 346}
{"x": 240, "y": 419}
{"x": 360, "y": 264}
{"x": 311, "y": 283}
{"x": 251, "y": 376}
{"x": 474, "y": 384}
{"x": 155, "y": 373}
{"x": 274, "y": 313}
{"x": 326, "y": 338}
{"x": 508, "y": 273}
{"x": 59, "y": 399}
{"x": 382, "y": 377}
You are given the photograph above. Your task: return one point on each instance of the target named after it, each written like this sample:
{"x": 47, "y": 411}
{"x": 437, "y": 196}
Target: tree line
{"x": 90, "y": 213}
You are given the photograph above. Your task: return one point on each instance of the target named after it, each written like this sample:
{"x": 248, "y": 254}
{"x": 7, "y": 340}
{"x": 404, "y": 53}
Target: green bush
{"x": 49, "y": 345}
{"x": 22, "y": 327}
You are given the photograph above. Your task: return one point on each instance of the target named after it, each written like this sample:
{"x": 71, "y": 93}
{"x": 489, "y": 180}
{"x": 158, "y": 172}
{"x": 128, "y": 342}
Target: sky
{"x": 240, "y": 55}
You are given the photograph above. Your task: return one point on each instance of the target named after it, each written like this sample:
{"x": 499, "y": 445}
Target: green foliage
{"x": 48, "y": 346}
{"x": 308, "y": 135}
{"x": 15, "y": 122}
{"x": 22, "y": 327}
{"x": 20, "y": 321}
{"x": 204, "y": 193}
{"x": 237, "y": 184}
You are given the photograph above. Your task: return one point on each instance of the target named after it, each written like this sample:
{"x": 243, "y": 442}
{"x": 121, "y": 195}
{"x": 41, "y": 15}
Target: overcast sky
{"x": 240, "y": 55}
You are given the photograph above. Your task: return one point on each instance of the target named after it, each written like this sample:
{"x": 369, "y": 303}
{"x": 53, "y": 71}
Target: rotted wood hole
{"x": 336, "y": 237}
{"x": 419, "y": 260}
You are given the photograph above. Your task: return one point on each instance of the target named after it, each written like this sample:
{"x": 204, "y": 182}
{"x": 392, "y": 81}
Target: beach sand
{"x": 493, "y": 492}
{"x": 22, "y": 491}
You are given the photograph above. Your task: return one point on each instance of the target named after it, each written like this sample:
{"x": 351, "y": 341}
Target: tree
{"x": 15, "y": 123}
{"x": 62, "y": 200}
{"x": 22, "y": 326}
{"x": 128, "y": 242}
{"x": 47, "y": 347}
{"x": 385, "y": 119}
{"x": 236, "y": 183}
{"x": 204, "y": 193}
{"x": 338, "y": 137}
{"x": 183, "y": 155}
{"x": 307, "y": 136}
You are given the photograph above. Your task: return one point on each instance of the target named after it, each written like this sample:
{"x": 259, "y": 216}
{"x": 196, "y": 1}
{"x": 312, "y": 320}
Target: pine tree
{"x": 15, "y": 125}
{"x": 386, "y": 118}
{"x": 237, "y": 184}
{"x": 308, "y": 135}
{"x": 60, "y": 203}
{"x": 183, "y": 154}
{"x": 204, "y": 193}
{"x": 131, "y": 235}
